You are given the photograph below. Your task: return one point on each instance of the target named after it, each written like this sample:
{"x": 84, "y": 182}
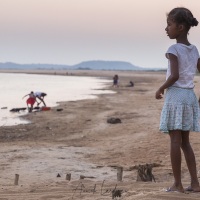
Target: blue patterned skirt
{"x": 180, "y": 110}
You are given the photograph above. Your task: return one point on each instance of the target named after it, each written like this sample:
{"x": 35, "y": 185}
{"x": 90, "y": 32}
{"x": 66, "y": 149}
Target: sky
{"x": 71, "y": 31}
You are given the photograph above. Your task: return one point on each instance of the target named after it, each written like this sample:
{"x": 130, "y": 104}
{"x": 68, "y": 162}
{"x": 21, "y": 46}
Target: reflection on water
{"x": 58, "y": 88}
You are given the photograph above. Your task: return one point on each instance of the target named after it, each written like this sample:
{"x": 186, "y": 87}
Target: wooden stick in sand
{"x": 68, "y": 177}
{"x": 16, "y": 179}
{"x": 119, "y": 173}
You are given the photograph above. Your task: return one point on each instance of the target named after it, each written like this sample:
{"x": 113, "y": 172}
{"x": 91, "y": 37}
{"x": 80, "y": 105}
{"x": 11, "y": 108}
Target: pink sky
{"x": 72, "y": 31}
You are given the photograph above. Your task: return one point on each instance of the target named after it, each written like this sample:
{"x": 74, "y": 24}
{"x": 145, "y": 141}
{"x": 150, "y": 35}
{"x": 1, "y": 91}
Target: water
{"x": 58, "y": 88}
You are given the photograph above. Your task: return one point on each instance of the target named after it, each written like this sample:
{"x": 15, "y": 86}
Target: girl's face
{"x": 172, "y": 29}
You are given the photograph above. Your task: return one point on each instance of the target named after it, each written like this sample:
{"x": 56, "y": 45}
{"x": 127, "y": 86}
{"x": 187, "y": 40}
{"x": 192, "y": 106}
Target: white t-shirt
{"x": 38, "y": 94}
{"x": 187, "y": 63}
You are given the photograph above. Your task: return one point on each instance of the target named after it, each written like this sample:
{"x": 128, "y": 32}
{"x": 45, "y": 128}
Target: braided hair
{"x": 184, "y": 16}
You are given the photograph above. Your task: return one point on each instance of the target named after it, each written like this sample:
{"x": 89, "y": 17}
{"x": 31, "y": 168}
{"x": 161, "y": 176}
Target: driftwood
{"x": 82, "y": 177}
{"x": 17, "y": 109}
{"x": 135, "y": 167}
{"x": 144, "y": 172}
{"x": 36, "y": 108}
{"x": 4, "y": 107}
{"x": 116, "y": 193}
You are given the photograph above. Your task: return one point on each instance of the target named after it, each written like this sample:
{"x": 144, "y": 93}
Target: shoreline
{"x": 96, "y": 73}
{"x": 78, "y": 140}
{"x": 99, "y": 85}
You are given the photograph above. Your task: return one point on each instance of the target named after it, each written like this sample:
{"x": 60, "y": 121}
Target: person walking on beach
{"x": 30, "y": 101}
{"x": 179, "y": 114}
{"x": 40, "y": 96}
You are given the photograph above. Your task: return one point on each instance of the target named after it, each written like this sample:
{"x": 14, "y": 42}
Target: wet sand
{"x": 78, "y": 140}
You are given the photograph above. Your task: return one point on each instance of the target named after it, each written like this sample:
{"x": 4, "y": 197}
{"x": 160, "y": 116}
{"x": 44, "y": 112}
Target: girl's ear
{"x": 181, "y": 27}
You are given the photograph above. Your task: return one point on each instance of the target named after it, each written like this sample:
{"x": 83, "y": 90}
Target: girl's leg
{"x": 175, "y": 153}
{"x": 28, "y": 108}
{"x": 190, "y": 160}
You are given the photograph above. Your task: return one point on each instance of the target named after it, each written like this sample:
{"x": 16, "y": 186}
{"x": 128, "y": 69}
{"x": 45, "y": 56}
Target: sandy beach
{"x": 78, "y": 140}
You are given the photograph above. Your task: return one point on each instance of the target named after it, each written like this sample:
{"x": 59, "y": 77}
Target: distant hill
{"x": 87, "y": 65}
{"x": 106, "y": 65}
{"x": 10, "y": 65}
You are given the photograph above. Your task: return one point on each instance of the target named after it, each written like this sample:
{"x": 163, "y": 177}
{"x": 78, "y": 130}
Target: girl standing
{"x": 115, "y": 81}
{"x": 179, "y": 115}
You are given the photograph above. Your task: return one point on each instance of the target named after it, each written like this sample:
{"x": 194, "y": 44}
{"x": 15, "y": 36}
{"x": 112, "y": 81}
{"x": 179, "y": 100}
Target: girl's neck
{"x": 183, "y": 39}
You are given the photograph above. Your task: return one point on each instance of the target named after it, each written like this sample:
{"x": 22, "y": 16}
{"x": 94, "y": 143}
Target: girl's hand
{"x": 159, "y": 94}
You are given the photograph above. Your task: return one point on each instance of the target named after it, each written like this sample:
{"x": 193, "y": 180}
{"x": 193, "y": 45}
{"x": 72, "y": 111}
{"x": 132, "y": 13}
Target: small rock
{"x": 59, "y": 109}
{"x": 113, "y": 120}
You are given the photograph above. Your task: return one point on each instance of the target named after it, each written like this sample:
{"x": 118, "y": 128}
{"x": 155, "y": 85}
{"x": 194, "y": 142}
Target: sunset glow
{"x": 72, "y": 31}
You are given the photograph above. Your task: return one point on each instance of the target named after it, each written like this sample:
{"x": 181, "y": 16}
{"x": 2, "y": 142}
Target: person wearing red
{"x": 30, "y": 101}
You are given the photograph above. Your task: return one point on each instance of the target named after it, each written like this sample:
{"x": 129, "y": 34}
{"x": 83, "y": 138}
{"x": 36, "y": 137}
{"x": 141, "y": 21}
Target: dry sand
{"x": 78, "y": 140}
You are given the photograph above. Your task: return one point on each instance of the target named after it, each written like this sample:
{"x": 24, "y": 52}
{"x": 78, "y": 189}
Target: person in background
{"x": 180, "y": 114}
{"x": 131, "y": 84}
{"x": 30, "y": 101}
{"x": 40, "y": 96}
{"x": 115, "y": 81}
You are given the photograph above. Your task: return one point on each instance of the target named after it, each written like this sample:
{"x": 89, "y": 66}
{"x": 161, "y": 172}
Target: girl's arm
{"x": 198, "y": 65}
{"x": 172, "y": 78}
{"x": 25, "y": 96}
